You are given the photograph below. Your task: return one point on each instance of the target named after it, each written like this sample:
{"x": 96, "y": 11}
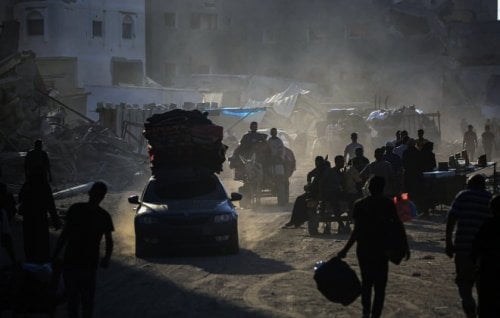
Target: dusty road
{"x": 270, "y": 277}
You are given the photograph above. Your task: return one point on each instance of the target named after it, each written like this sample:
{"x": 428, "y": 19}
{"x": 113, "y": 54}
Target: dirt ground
{"x": 272, "y": 276}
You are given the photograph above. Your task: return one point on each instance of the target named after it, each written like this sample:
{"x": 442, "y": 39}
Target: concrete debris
{"x": 79, "y": 153}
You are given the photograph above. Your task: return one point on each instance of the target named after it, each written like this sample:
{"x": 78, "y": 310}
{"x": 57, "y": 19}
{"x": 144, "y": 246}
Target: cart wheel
{"x": 312, "y": 224}
{"x": 246, "y": 199}
{"x": 233, "y": 246}
{"x": 282, "y": 193}
{"x": 142, "y": 250}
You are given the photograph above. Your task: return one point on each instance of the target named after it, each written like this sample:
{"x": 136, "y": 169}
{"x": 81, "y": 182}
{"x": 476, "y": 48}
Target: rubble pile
{"x": 21, "y": 105}
{"x": 184, "y": 138}
{"x": 78, "y": 154}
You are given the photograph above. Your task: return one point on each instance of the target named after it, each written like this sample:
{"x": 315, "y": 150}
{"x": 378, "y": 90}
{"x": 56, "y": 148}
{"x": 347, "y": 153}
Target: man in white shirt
{"x": 350, "y": 149}
{"x": 276, "y": 147}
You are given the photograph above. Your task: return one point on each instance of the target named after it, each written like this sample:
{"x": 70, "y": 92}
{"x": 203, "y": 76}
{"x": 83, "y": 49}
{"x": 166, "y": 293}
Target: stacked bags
{"x": 184, "y": 138}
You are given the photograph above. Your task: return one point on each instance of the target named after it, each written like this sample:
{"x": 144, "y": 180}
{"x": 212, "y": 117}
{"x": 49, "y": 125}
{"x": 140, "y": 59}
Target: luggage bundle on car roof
{"x": 184, "y": 138}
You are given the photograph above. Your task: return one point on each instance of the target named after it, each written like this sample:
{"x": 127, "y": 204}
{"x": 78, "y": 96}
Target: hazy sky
{"x": 498, "y": 8}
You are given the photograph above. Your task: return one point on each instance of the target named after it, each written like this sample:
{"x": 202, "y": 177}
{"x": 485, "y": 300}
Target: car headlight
{"x": 147, "y": 220}
{"x": 221, "y": 218}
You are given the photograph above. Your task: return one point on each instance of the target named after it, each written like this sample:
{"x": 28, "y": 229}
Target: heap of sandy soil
{"x": 272, "y": 276}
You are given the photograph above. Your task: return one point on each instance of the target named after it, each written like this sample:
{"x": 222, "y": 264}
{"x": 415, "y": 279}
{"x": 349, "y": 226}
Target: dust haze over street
{"x": 98, "y": 80}
{"x": 272, "y": 274}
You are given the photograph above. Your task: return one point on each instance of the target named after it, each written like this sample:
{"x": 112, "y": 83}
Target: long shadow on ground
{"x": 244, "y": 263}
{"x": 125, "y": 291}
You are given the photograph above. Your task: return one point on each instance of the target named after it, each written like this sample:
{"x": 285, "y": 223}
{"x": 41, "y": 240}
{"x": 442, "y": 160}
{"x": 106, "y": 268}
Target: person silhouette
{"x": 36, "y": 201}
{"x": 86, "y": 223}
{"x": 485, "y": 252}
{"x": 468, "y": 212}
{"x": 36, "y": 158}
{"x": 372, "y": 215}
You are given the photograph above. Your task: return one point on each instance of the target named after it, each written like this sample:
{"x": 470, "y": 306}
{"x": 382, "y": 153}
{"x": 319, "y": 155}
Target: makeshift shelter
{"x": 236, "y": 120}
{"x": 293, "y": 107}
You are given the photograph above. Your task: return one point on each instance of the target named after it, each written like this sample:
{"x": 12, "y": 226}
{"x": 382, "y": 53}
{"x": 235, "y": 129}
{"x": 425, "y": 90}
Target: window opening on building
{"x": 127, "y": 27}
{"x": 127, "y": 72}
{"x": 35, "y": 23}
{"x": 203, "y": 21}
{"x": 97, "y": 29}
{"x": 170, "y": 19}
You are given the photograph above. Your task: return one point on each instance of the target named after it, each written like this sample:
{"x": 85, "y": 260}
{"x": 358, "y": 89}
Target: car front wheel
{"x": 142, "y": 249}
{"x": 233, "y": 246}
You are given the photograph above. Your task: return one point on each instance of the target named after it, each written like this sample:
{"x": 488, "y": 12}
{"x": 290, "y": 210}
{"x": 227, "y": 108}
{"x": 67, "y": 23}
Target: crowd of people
{"x": 369, "y": 189}
{"x": 400, "y": 162}
{"x": 85, "y": 225}
{"x": 488, "y": 141}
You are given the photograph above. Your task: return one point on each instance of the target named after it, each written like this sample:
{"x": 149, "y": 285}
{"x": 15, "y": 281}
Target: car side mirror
{"x": 236, "y": 196}
{"x": 133, "y": 199}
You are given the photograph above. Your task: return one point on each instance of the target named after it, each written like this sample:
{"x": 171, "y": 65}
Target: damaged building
{"x": 90, "y": 52}
{"x": 407, "y": 52}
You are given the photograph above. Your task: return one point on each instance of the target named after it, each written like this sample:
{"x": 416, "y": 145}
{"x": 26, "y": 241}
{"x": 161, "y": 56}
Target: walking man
{"x": 86, "y": 223}
{"x": 486, "y": 253}
{"x": 470, "y": 142}
{"x": 468, "y": 212}
{"x": 488, "y": 140}
{"x": 372, "y": 215}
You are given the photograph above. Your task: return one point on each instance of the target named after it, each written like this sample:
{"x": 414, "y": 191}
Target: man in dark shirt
{"x": 37, "y": 158}
{"x": 86, "y": 223}
{"x": 359, "y": 161}
{"x": 372, "y": 215}
{"x": 468, "y": 212}
{"x": 486, "y": 253}
{"x": 251, "y": 138}
{"x": 299, "y": 211}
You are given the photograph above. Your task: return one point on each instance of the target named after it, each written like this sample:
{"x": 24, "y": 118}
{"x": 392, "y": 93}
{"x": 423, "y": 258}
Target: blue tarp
{"x": 235, "y": 112}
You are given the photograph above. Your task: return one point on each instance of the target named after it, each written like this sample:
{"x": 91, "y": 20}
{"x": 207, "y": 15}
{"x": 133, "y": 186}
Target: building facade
{"x": 403, "y": 51}
{"x": 102, "y": 41}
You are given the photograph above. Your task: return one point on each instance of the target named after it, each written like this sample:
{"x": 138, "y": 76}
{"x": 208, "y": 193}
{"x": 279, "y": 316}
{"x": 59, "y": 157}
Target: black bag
{"x": 396, "y": 243}
{"x": 337, "y": 281}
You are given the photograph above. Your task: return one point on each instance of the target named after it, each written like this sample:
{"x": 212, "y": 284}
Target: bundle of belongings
{"x": 337, "y": 281}
{"x": 180, "y": 138}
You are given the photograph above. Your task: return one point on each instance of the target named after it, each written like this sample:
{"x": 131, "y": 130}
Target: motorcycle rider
{"x": 299, "y": 212}
{"x": 251, "y": 138}
{"x": 247, "y": 147}
{"x": 332, "y": 191}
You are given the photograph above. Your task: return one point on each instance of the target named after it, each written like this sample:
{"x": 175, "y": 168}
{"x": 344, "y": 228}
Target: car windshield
{"x": 177, "y": 185}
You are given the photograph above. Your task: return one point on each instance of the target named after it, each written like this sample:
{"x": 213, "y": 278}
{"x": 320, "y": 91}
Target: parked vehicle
{"x": 183, "y": 209}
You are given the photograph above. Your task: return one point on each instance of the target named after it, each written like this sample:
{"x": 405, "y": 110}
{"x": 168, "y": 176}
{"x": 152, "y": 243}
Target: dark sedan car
{"x": 184, "y": 209}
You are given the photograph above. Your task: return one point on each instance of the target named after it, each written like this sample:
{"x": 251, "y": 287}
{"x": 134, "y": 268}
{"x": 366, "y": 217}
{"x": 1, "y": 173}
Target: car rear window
{"x": 181, "y": 185}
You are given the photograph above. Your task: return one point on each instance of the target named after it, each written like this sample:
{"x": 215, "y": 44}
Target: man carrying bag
{"x": 380, "y": 238}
